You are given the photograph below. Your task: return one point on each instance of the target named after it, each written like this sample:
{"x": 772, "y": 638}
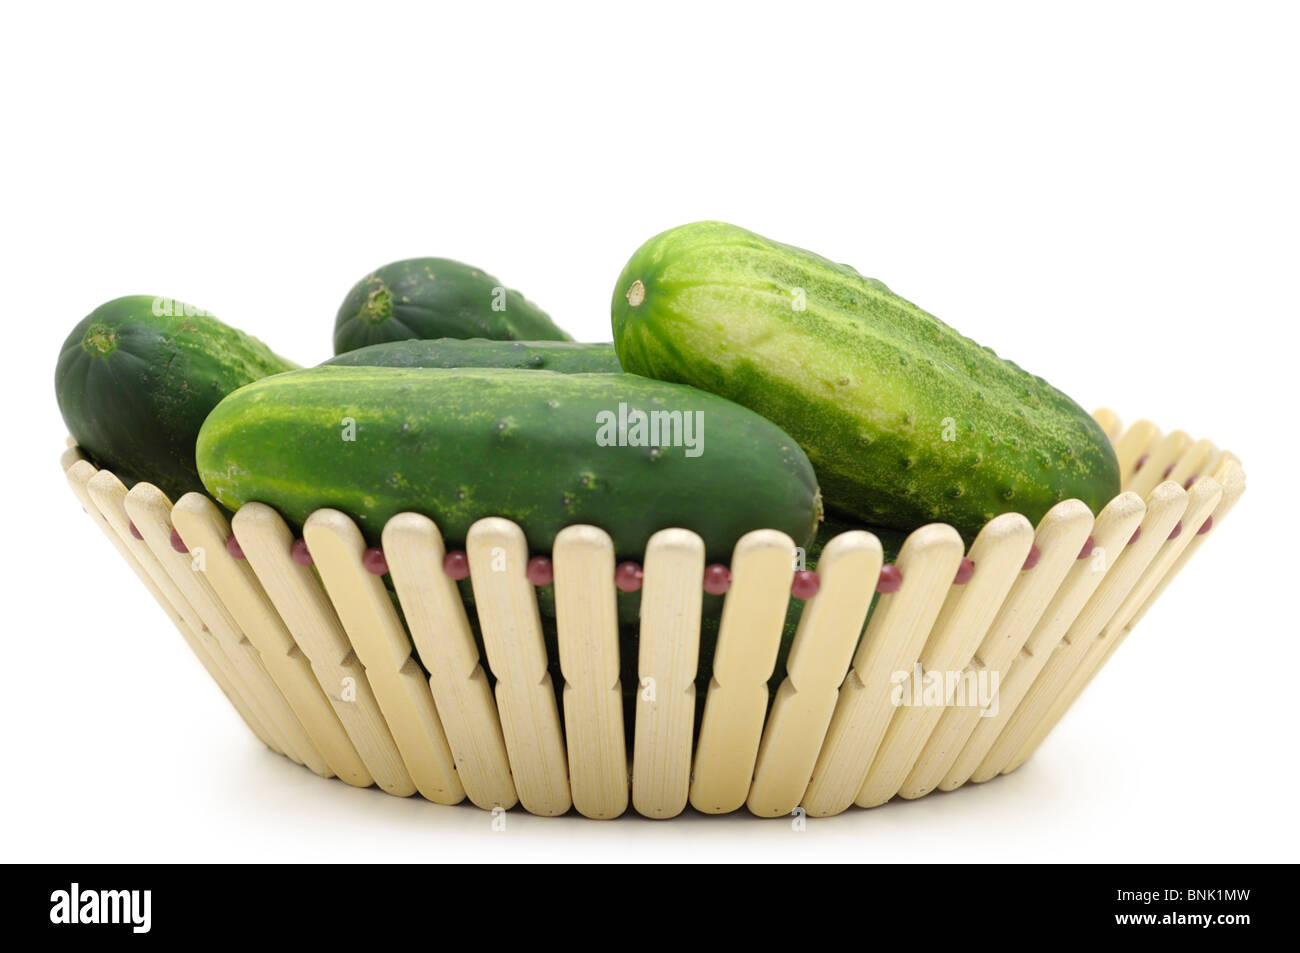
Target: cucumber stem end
{"x": 378, "y": 306}
{"x": 99, "y": 339}
{"x": 636, "y": 293}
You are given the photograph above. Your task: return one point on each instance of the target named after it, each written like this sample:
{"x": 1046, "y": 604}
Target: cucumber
{"x": 531, "y": 446}
{"x": 564, "y": 357}
{"x": 138, "y": 375}
{"x": 905, "y": 420}
{"x": 427, "y": 298}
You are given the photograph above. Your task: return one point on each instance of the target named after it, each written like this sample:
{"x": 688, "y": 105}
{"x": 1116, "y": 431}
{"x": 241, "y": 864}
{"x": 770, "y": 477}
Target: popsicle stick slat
{"x": 516, "y": 651}
{"x": 296, "y": 593}
{"x": 440, "y": 629}
{"x": 1132, "y": 445}
{"x": 110, "y": 496}
{"x": 1060, "y": 537}
{"x": 204, "y": 531}
{"x": 749, "y": 637}
{"x": 998, "y": 555}
{"x": 671, "y": 599}
{"x": 1232, "y": 479}
{"x": 1112, "y": 530}
{"x": 142, "y": 563}
{"x": 828, "y": 632}
{"x": 1163, "y": 509}
{"x": 1161, "y": 460}
{"x": 366, "y": 611}
{"x": 1201, "y": 500}
{"x": 1109, "y": 422}
{"x": 70, "y": 456}
{"x": 586, "y": 611}
{"x": 150, "y": 512}
{"x": 892, "y": 643}
{"x": 1194, "y": 461}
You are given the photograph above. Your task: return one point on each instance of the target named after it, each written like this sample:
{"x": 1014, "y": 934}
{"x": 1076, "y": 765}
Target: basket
{"x": 323, "y": 668}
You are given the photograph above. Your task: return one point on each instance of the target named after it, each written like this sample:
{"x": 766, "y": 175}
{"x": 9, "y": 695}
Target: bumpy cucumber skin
{"x": 135, "y": 402}
{"x": 461, "y": 444}
{"x": 428, "y": 298}
{"x": 563, "y": 357}
{"x": 868, "y": 383}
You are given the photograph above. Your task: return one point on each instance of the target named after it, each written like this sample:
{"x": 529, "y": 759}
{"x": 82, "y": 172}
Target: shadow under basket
{"x": 957, "y": 677}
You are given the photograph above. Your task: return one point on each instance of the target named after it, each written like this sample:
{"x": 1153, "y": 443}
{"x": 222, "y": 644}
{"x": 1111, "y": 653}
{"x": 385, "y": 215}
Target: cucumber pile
{"x": 749, "y": 385}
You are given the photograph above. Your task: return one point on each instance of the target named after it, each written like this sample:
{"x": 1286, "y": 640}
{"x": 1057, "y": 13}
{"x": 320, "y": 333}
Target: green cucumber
{"x": 905, "y": 420}
{"x": 536, "y": 447}
{"x": 428, "y": 298}
{"x": 564, "y": 357}
{"x": 138, "y": 375}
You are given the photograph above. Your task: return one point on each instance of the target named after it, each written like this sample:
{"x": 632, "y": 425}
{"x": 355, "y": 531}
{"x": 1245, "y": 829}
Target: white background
{"x": 1107, "y": 197}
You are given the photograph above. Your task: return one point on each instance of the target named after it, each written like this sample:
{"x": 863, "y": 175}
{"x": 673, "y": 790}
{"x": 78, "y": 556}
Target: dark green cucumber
{"x": 563, "y": 357}
{"x": 428, "y": 298}
{"x": 138, "y": 375}
{"x": 905, "y": 420}
{"x": 531, "y": 446}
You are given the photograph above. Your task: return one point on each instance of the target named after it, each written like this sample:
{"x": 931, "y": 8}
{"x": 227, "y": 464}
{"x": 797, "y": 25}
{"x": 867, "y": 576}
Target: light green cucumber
{"x": 905, "y": 420}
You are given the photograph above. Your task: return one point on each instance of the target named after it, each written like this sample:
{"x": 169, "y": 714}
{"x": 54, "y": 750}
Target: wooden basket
{"x": 323, "y": 668}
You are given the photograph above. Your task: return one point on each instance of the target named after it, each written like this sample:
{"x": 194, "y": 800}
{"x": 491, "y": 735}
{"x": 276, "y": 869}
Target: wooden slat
{"x": 305, "y": 609}
{"x": 1112, "y": 530}
{"x": 1164, "y": 508}
{"x": 70, "y": 456}
{"x": 1164, "y": 454}
{"x": 1060, "y": 537}
{"x": 440, "y": 629}
{"x": 829, "y": 628}
{"x": 516, "y": 651}
{"x": 998, "y": 553}
{"x": 1194, "y": 461}
{"x": 382, "y": 645}
{"x": 1109, "y": 422}
{"x": 1232, "y": 479}
{"x": 671, "y": 599}
{"x": 586, "y": 610}
{"x": 204, "y": 530}
{"x": 109, "y": 495}
{"x": 749, "y": 638}
{"x": 150, "y": 511}
{"x": 1135, "y": 441}
{"x": 1201, "y": 500}
{"x": 147, "y": 570}
{"x": 892, "y": 643}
